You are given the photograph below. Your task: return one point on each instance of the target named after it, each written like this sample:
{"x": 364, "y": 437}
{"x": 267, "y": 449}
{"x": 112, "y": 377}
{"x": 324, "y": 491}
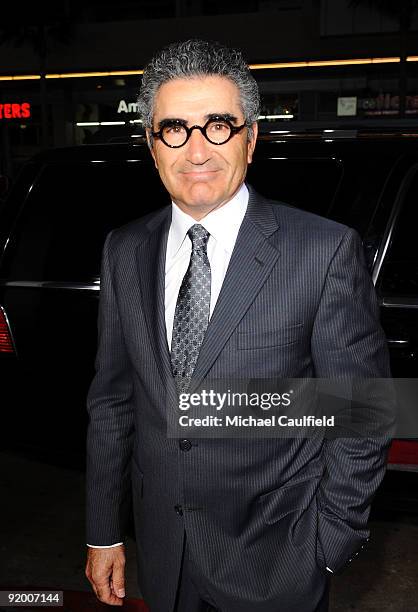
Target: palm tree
{"x": 403, "y": 11}
{"x": 42, "y": 29}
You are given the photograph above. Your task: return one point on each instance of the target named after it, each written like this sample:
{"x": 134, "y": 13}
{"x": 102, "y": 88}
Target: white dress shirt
{"x": 223, "y": 226}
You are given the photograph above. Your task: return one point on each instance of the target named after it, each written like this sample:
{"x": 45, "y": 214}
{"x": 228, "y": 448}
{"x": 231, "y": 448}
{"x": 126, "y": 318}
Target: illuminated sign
{"x": 347, "y": 106}
{"x": 388, "y": 102}
{"x": 15, "y": 111}
{"x": 127, "y": 107}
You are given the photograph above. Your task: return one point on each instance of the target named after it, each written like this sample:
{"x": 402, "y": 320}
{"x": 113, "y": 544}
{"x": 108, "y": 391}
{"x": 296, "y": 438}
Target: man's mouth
{"x": 200, "y": 174}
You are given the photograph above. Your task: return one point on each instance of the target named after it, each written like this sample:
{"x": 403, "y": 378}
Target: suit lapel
{"x": 251, "y": 263}
{"x": 151, "y": 255}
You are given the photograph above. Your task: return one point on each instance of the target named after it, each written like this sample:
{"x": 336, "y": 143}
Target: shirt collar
{"x": 222, "y": 224}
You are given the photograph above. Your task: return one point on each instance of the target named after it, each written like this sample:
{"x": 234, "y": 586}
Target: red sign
{"x": 15, "y": 111}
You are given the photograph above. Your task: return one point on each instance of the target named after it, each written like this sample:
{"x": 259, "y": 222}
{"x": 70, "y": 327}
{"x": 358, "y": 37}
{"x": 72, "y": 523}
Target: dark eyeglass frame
{"x": 234, "y": 130}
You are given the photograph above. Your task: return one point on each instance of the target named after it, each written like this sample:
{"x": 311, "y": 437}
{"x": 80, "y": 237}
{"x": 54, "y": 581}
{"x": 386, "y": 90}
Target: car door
{"x": 49, "y": 289}
{"x": 396, "y": 279}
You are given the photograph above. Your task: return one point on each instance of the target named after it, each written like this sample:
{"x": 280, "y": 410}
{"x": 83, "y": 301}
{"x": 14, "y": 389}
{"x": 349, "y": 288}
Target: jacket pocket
{"x": 269, "y": 338}
{"x": 280, "y": 502}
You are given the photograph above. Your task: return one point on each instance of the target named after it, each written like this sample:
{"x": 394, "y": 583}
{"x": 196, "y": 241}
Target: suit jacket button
{"x": 179, "y": 510}
{"x": 185, "y": 445}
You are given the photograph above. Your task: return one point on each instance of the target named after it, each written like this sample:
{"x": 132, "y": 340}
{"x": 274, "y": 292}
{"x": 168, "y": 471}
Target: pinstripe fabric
{"x": 265, "y": 516}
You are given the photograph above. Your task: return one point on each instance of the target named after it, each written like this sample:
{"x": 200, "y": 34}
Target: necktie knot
{"x": 199, "y": 237}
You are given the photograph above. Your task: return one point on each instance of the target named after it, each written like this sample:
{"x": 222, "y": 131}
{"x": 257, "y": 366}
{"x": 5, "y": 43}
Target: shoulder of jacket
{"x": 292, "y": 218}
{"x": 288, "y": 213}
{"x": 136, "y": 231}
{"x": 301, "y": 224}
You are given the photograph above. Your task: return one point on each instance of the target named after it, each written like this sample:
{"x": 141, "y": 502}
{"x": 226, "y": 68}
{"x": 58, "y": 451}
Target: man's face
{"x": 201, "y": 176}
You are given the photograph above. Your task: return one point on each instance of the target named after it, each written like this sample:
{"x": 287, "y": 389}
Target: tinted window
{"x": 69, "y": 211}
{"x": 399, "y": 275}
{"x": 309, "y": 184}
{"x": 364, "y": 178}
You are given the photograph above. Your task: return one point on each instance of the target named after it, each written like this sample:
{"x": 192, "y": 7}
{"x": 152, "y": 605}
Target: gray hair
{"x": 198, "y": 58}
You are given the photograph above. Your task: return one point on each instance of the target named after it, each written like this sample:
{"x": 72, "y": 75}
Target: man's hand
{"x": 105, "y": 570}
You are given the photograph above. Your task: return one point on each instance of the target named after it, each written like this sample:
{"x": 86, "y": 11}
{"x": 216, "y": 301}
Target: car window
{"x": 68, "y": 212}
{"x": 399, "y": 274}
{"x": 358, "y": 197}
{"x": 308, "y": 183}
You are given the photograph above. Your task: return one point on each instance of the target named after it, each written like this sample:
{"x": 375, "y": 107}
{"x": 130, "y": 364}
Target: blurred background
{"x": 70, "y": 71}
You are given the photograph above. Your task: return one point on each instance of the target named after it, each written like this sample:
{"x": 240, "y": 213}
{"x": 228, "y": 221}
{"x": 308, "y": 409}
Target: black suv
{"x": 55, "y": 219}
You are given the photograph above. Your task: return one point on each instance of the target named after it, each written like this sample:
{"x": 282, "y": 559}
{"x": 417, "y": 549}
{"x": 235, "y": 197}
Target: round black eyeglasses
{"x": 217, "y": 131}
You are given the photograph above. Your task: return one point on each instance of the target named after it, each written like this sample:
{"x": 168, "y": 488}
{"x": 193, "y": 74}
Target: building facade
{"x": 321, "y": 62}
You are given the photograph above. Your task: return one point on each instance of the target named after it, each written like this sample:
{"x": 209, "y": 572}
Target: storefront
{"x": 91, "y": 109}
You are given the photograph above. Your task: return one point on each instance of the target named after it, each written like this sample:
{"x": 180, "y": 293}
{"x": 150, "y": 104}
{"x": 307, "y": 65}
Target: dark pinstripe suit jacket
{"x": 264, "y": 517}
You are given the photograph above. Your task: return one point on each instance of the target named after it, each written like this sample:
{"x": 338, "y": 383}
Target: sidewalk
{"x": 42, "y": 545}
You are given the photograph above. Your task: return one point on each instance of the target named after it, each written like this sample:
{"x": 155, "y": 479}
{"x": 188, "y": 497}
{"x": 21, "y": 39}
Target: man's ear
{"x": 150, "y": 145}
{"x": 252, "y": 142}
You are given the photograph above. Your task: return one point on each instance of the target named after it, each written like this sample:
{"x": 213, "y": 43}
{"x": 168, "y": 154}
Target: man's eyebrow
{"x": 179, "y": 121}
{"x": 227, "y": 116}
{"x": 170, "y": 121}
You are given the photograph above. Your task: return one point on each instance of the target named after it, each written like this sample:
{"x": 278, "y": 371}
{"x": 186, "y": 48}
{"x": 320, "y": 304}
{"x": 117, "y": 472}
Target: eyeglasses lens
{"x": 217, "y": 132}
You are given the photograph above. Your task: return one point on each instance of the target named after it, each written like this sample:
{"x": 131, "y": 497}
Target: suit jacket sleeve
{"x": 111, "y": 423}
{"x": 348, "y": 342}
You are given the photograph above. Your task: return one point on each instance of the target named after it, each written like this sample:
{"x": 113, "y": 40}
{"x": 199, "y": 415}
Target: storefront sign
{"x": 386, "y": 102}
{"x": 15, "y": 111}
{"x": 347, "y": 106}
{"x": 127, "y": 107}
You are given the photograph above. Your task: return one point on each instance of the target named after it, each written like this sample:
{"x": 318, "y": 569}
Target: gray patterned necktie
{"x": 191, "y": 316}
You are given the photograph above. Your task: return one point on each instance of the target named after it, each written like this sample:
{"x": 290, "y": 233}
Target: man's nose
{"x": 197, "y": 148}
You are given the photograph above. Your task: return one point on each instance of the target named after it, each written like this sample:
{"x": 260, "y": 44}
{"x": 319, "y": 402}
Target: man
{"x": 224, "y": 284}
